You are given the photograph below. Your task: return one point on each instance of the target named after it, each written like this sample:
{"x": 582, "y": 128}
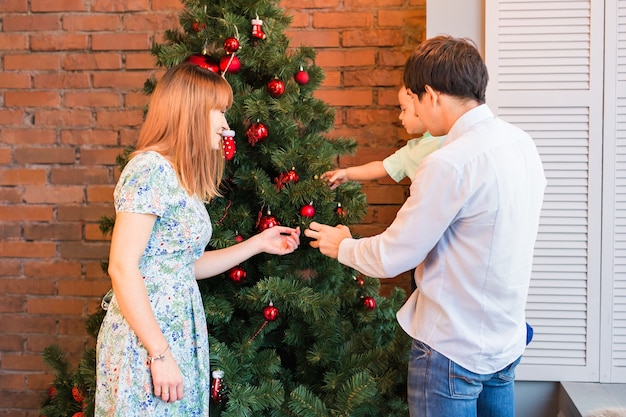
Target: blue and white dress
{"x": 149, "y": 185}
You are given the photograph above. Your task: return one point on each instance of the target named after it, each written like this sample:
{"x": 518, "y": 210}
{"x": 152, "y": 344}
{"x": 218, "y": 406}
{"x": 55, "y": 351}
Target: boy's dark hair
{"x": 449, "y": 65}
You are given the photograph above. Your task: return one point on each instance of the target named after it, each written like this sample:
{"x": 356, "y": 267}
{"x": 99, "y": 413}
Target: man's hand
{"x": 327, "y": 238}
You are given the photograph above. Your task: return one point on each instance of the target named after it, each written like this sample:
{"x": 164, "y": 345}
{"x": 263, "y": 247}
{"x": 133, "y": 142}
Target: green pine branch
{"x": 303, "y": 403}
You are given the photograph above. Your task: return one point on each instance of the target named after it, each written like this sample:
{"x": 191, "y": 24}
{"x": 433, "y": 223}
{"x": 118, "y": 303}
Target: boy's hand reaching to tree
{"x": 335, "y": 177}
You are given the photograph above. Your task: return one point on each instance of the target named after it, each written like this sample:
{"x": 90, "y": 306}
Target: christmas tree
{"x": 298, "y": 335}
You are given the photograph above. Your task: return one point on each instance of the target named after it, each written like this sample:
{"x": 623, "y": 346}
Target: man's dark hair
{"x": 449, "y": 65}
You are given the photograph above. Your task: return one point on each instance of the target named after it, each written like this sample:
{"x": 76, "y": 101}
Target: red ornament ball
{"x": 301, "y": 77}
{"x": 239, "y": 238}
{"x": 292, "y": 175}
{"x": 78, "y": 414}
{"x": 307, "y": 210}
{"x": 237, "y": 274}
{"x": 204, "y": 61}
{"x": 228, "y": 143}
{"x": 276, "y": 88}
{"x": 369, "y": 302}
{"x": 230, "y": 64}
{"x": 52, "y": 391}
{"x": 270, "y": 312}
{"x": 231, "y": 45}
{"x": 360, "y": 282}
{"x": 257, "y": 132}
{"x": 266, "y": 222}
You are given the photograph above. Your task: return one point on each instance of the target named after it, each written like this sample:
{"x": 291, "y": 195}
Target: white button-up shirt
{"x": 470, "y": 224}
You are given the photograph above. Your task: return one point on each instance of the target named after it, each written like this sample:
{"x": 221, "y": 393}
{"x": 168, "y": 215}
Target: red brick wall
{"x": 71, "y": 78}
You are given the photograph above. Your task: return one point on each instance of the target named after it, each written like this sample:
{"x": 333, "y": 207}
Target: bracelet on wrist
{"x": 160, "y": 357}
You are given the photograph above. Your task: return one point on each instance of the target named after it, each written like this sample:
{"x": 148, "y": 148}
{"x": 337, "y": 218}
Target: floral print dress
{"x": 182, "y": 230}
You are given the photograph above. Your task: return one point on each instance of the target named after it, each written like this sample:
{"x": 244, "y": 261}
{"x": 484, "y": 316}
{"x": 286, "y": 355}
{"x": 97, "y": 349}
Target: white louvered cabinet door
{"x": 613, "y": 340}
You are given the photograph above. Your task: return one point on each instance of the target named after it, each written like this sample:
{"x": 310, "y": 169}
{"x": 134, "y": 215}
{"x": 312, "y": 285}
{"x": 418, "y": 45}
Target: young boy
{"x": 403, "y": 162}
{"x": 400, "y": 164}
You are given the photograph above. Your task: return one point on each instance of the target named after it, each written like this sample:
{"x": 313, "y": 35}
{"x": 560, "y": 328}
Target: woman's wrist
{"x": 158, "y": 357}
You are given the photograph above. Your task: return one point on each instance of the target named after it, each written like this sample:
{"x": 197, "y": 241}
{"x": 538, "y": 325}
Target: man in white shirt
{"x": 470, "y": 224}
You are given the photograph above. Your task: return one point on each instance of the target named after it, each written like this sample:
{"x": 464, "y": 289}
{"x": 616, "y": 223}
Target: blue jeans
{"x": 438, "y": 387}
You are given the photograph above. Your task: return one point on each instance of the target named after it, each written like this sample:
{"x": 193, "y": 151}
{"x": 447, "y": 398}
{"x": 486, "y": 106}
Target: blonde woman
{"x": 153, "y": 349}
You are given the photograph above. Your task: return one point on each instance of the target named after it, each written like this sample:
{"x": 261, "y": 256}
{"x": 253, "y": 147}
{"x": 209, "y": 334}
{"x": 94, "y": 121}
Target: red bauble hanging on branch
{"x": 267, "y": 221}
{"x": 270, "y": 312}
{"x": 230, "y": 64}
{"x": 291, "y": 175}
{"x": 369, "y": 302}
{"x": 301, "y": 77}
{"x": 231, "y": 45}
{"x": 257, "y": 30}
{"x": 257, "y": 132}
{"x": 307, "y": 210}
{"x": 237, "y": 274}
{"x": 204, "y": 61}
{"x": 276, "y": 87}
{"x": 228, "y": 143}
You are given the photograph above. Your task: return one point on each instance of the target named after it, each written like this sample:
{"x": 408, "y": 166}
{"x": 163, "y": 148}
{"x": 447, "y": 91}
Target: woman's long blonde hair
{"x": 178, "y": 126}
